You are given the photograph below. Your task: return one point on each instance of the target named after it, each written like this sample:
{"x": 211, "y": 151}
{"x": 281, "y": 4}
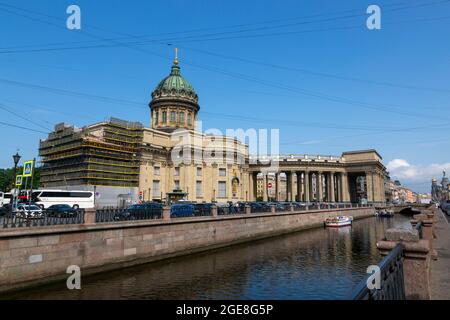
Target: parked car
{"x": 179, "y": 210}
{"x": 30, "y": 211}
{"x": 140, "y": 211}
{"x": 445, "y": 206}
{"x": 61, "y": 211}
{"x": 4, "y": 211}
{"x": 202, "y": 209}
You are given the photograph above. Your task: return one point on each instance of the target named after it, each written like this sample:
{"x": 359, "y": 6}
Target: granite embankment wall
{"x": 33, "y": 256}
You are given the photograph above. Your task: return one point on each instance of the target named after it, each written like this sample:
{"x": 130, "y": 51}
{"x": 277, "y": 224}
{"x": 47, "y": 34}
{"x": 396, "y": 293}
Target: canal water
{"x": 314, "y": 264}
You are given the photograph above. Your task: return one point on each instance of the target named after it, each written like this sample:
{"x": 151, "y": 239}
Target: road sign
{"x": 269, "y": 185}
{"x": 28, "y": 168}
{"x": 19, "y": 179}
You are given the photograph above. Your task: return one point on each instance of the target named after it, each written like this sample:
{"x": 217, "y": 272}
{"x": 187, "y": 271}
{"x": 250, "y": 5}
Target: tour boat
{"x": 384, "y": 213}
{"x": 339, "y": 221}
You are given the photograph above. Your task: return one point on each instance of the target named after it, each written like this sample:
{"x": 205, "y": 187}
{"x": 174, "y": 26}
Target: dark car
{"x": 61, "y": 211}
{"x": 179, "y": 210}
{"x": 148, "y": 210}
{"x": 4, "y": 211}
{"x": 202, "y": 209}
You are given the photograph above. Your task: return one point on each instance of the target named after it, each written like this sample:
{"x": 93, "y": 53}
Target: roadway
{"x": 440, "y": 268}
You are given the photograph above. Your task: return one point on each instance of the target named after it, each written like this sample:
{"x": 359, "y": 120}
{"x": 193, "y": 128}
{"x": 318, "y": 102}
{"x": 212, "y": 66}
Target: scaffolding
{"x": 105, "y": 153}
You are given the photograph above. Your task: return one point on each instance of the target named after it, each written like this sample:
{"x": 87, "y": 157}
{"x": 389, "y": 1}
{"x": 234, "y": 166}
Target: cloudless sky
{"x": 310, "y": 68}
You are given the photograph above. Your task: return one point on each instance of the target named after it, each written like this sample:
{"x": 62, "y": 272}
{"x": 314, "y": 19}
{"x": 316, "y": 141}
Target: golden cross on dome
{"x": 175, "y": 61}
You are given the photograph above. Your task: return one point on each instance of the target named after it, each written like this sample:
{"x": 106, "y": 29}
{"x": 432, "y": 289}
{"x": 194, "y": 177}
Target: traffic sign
{"x": 269, "y": 185}
{"x": 28, "y": 168}
{"x": 19, "y": 179}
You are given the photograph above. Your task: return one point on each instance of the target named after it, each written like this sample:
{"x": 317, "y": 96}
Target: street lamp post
{"x": 16, "y": 159}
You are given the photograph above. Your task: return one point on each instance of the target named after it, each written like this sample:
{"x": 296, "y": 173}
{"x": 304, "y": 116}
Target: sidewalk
{"x": 440, "y": 269}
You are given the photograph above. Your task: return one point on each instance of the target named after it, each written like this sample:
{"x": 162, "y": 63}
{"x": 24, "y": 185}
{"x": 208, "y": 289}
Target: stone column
{"x": 345, "y": 192}
{"x": 214, "y": 211}
{"x": 264, "y": 186}
{"x": 299, "y": 186}
{"x": 369, "y": 185}
{"x": 166, "y": 213}
{"x": 427, "y": 226}
{"x": 338, "y": 187}
{"x": 288, "y": 186}
{"x": 89, "y": 216}
{"x": 416, "y": 261}
{"x": 319, "y": 186}
{"x": 277, "y": 186}
{"x": 306, "y": 189}
{"x": 293, "y": 193}
{"x": 332, "y": 193}
{"x": 251, "y": 186}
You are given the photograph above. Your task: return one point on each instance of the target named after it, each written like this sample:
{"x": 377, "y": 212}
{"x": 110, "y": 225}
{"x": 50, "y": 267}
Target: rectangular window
{"x": 156, "y": 189}
{"x": 157, "y": 171}
{"x": 199, "y": 189}
{"x": 199, "y": 172}
{"x": 164, "y": 117}
{"x": 182, "y": 117}
{"x": 222, "y": 172}
{"x": 172, "y": 116}
{"x": 177, "y": 171}
{"x": 189, "y": 119}
{"x": 222, "y": 189}
{"x": 156, "y": 117}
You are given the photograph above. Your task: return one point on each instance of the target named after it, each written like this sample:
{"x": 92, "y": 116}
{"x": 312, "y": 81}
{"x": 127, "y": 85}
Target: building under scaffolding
{"x": 103, "y": 157}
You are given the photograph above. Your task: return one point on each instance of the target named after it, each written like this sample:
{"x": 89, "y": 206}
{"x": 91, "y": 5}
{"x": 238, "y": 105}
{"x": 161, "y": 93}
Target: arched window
{"x": 172, "y": 116}
{"x": 182, "y": 117}
{"x": 157, "y": 116}
{"x": 189, "y": 119}
{"x": 164, "y": 117}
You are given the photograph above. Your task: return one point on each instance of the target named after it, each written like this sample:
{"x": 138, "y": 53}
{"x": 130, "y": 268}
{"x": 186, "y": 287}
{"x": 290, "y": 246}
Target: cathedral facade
{"x": 125, "y": 162}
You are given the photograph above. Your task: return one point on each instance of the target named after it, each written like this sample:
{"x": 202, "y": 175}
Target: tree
{"x": 7, "y": 178}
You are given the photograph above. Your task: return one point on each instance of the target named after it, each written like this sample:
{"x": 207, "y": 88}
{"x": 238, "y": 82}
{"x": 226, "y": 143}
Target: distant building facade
{"x": 440, "y": 192}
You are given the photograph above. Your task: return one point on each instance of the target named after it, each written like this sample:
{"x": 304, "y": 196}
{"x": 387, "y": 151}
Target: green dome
{"x": 175, "y": 86}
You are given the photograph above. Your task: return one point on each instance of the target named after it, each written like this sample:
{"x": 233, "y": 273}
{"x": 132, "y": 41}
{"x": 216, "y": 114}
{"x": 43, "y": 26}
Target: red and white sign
{"x": 269, "y": 185}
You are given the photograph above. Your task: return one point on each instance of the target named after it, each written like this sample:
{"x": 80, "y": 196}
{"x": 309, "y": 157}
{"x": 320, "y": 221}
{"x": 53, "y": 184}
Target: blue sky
{"x": 310, "y": 68}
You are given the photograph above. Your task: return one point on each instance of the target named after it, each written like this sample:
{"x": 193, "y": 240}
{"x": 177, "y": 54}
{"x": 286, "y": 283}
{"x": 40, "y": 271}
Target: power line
{"x": 192, "y": 30}
{"x": 4, "y": 107}
{"x": 199, "y": 37}
{"x": 20, "y": 127}
{"x": 293, "y": 89}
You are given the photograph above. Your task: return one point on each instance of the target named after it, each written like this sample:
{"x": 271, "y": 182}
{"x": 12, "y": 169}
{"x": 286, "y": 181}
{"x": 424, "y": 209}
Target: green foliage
{"x": 7, "y": 178}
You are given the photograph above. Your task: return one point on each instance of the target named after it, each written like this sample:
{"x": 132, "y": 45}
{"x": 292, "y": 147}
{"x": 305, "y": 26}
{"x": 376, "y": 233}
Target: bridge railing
{"x": 392, "y": 282}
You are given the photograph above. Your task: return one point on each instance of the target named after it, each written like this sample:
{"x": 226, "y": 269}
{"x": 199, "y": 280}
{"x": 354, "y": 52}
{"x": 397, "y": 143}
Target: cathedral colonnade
{"x": 317, "y": 186}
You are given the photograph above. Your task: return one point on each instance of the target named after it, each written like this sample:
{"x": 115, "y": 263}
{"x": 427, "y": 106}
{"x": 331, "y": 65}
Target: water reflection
{"x": 313, "y": 264}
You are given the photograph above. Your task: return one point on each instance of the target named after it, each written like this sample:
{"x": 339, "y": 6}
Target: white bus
{"x": 75, "y": 198}
{"x": 5, "y": 198}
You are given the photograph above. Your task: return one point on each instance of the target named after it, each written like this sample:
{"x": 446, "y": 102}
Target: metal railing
{"x": 111, "y": 215}
{"x": 223, "y": 211}
{"x": 107, "y": 215}
{"x": 392, "y": 283}
{"x": 24, "y": 220}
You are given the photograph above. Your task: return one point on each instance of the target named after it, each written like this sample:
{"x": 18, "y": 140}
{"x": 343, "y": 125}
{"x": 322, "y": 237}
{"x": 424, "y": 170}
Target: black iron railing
{"x": 26, "y": 220}
{"x": 222, "y": 211}
{"x": 111, "y": 215}
{"x": 392, "y": 283}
